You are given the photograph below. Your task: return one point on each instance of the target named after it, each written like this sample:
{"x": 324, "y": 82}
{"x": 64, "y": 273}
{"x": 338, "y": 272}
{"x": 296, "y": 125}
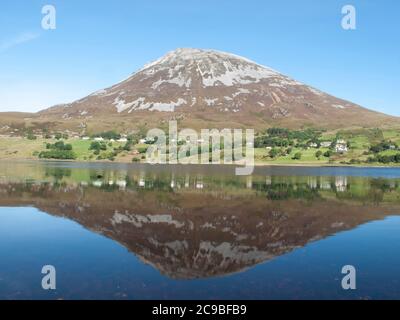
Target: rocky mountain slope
{"x": 207, "y": 88}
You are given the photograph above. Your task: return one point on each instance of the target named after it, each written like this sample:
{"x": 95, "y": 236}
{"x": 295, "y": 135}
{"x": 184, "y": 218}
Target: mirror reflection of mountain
{"x": 194, "y": 225}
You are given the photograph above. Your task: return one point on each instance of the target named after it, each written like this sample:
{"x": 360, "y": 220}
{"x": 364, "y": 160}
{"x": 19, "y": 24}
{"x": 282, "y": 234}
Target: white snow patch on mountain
{"x": 210, "y": 102}
{"x": 121, "y": 105}
{"x": 179, "y": 80}
{"x": 338, "y": 106}
{"x": 140, "y": 104}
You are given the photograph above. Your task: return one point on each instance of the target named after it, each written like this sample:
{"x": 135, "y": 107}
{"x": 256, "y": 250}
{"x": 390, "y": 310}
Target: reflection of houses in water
{"x": 97, "y": 183}
{"x": 199, "y": 184}
{"x": 121, "y": 184}
{"x": 142, "y": 180}
{"x": 312, "y": 182}
{"x": 341, "y": 183}
{"x": 249, "y": 182}
{"x": 187, "y": 181}
{"x": 325, "y": 183}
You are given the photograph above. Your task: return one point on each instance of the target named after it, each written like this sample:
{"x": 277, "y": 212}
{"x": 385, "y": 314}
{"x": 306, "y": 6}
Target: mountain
{"x": 208, "y": 88}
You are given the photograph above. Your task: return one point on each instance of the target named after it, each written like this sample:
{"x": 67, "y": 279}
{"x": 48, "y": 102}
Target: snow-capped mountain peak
{"x": 213, "y": 67}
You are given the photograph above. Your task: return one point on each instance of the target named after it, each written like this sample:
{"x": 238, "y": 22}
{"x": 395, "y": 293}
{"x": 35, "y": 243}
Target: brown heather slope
{"x": 203, "y": 89}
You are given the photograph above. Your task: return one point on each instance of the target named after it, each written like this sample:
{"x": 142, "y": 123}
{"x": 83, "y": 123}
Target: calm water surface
{"x": 198, "y": 232}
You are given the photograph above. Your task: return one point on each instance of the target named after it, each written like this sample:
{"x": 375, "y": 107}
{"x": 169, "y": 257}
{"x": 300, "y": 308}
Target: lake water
{"x": 198, "y": 232}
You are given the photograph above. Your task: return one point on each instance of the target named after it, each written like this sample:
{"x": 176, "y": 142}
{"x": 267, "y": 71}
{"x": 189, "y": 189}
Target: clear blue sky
{"x": 98, "y": 43}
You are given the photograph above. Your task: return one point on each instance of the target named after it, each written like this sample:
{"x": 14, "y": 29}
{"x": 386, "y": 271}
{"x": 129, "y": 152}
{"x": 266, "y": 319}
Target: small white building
{"x": 98, "y": 139}
{"x": 326, "y": 144}
{"x": 85, "y": 138}
{"x": 147, "y": 140}
{"x": 123, "y": 140}
{"x": 341, "y": 148}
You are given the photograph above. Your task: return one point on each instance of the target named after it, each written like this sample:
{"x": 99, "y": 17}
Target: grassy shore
{"x": 19, "y": 148}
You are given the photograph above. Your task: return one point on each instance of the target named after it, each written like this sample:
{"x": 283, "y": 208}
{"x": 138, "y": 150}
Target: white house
{"x": 326, "y": 144}
{"x": 123, "y": 140}
{"x": 147, "y": 140}
{"x": 85, "y": 138}
{"x": 341, "y": 147}
{"x": 121, "y": 184}
{"x": 98, "y": 139}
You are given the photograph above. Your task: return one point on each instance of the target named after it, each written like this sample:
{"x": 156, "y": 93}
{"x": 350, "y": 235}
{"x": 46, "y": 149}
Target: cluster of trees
{"x": 326, "y": 154}
{"x": 383, "y": 146}
{"x": 281, "y": 137}
{"x": 98, "y": 146}
{"x": 302, "y": 135}
{"x": 101, "y": 150}
{"x": 266, "y": 141}
{"x": 59, "y": 136}
{"x": 59, "y": 145}
{"x": 275, "y": 152}
{"x": 395, "y": 158}
{"x": 297, "y": 156}
{"x": 58, "y": 150}
{"x": 108, "y": 135}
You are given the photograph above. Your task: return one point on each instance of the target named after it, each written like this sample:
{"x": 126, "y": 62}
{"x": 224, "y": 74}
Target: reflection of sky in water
{"x": 92, "y": 266}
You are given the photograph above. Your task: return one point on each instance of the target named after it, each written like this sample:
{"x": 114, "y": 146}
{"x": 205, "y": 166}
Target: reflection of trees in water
{"x": 58, "y": 173}
{"x": 384, "y": 184}
{"x": 373, "y": 191}
{"x": 364, "y": 189}
{"x": 282, "y": 191}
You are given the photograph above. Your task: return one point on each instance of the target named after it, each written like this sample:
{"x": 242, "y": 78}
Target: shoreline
{"x": 256, "y": 165}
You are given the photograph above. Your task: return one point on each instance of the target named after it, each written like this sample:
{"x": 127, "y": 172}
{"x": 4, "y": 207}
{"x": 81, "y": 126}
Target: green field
{"x": 360, "y": 141}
